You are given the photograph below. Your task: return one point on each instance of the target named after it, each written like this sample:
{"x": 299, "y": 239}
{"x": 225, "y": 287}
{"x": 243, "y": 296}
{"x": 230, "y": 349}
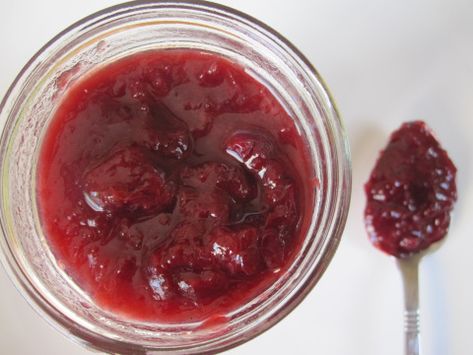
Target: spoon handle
{"x": 409, "y": 269}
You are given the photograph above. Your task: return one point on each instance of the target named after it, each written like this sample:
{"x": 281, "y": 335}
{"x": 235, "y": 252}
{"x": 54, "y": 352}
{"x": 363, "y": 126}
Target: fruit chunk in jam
{"x": 410, "y": 193}
{"x": 172, "y": 186}
{"x": 127, "y": 180}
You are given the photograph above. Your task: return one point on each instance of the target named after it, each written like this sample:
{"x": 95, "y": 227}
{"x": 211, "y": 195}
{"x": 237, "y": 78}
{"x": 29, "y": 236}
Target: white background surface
{"x": 385, "y": 62}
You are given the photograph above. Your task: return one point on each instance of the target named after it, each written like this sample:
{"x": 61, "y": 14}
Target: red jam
{"x": 410, "y": 193}
{"x": 173, "y": 186}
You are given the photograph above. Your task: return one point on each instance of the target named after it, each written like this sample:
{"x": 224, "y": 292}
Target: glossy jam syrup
{"x": 173, "y": 186}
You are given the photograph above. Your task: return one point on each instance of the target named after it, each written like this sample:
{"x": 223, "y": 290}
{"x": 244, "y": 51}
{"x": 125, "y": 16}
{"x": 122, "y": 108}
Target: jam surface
{"x": 172, "y": 186}
{"x": 410, "y": 193}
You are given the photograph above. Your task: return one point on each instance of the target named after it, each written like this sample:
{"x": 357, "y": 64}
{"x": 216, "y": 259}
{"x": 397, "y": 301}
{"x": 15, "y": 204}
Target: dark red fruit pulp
{"x": 173, "y": 186}
{"x": 410, "y": 193}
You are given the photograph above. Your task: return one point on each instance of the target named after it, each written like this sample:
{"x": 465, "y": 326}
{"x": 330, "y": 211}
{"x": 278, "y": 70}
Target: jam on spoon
{"x": 410, "y": 194}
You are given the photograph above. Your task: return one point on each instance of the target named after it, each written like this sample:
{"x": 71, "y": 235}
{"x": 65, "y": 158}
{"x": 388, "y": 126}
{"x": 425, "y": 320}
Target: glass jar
{"x": 30, "y": 103}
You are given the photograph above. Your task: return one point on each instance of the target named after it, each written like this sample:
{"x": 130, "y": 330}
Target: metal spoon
{"x": 409, "y": 269}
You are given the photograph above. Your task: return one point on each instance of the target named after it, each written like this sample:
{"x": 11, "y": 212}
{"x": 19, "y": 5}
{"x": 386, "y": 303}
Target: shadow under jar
{"x": 118, "y": 32}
